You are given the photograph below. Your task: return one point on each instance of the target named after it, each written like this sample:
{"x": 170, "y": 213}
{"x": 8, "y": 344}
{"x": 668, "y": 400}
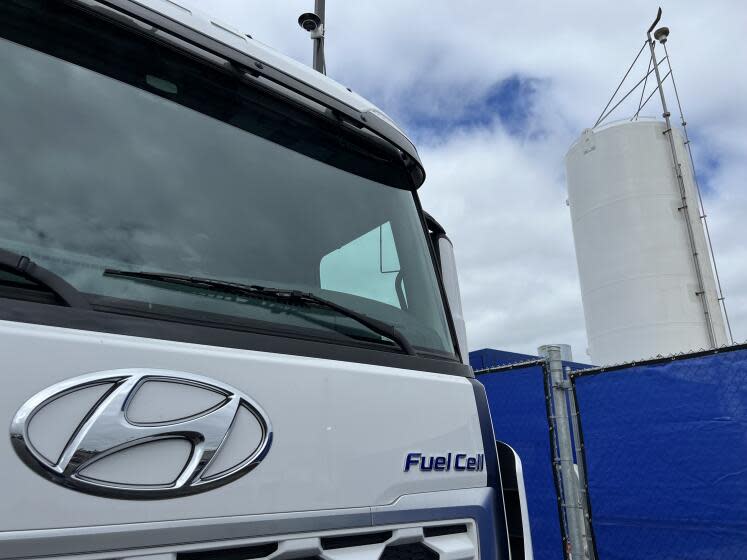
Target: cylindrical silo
{"x": 639, "y": 282}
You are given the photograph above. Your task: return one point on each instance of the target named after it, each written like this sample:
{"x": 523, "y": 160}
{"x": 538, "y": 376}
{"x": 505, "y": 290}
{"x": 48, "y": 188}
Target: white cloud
{"x": 501, "y": 196}
{"x": 504, "y": 208}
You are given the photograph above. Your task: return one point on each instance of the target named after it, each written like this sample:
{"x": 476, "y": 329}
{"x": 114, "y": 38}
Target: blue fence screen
{"x": 517, "y": 406}
{"x": 666, "y": 457}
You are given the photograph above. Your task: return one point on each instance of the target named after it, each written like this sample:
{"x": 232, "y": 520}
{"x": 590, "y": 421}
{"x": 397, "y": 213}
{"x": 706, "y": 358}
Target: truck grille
{"x": 425, "y": 542}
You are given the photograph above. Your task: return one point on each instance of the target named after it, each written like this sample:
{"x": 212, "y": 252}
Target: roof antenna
{"x": 313, "y": 22}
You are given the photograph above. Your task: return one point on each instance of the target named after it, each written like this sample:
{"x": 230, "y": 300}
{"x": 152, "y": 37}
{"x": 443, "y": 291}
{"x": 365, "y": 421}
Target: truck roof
{"x": 242, "y": 41}
{"x": 218, "y": 37}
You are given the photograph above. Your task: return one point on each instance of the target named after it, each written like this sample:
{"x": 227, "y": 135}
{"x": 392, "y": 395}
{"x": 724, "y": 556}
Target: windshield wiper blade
{"x": 253, "y": 290}
{"x": 26, "y": 268}
{"x": 375, "y": 325}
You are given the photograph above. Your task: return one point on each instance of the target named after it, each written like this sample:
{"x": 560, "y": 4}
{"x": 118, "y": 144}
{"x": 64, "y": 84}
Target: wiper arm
{"x": 25, "y": 267}
{"x": 375, "y": 325}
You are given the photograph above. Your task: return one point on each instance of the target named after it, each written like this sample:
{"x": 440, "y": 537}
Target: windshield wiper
{"x": 28, "y": 269}
{"x": 281, "y": 294}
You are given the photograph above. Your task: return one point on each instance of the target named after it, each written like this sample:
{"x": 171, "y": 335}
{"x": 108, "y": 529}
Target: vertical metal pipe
{"x": 683, "y": 196}
{"x": 320, "y": 64}
{"x": 571, "y": 503}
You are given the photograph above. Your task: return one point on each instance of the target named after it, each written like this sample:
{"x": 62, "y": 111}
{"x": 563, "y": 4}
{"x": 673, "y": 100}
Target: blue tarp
{"x": 489, "y": 357}
{"x": 517, "y": 405}
{"x": 666, "y": 453}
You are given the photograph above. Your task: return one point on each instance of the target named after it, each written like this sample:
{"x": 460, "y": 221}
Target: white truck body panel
{"x": 341, "y": 431}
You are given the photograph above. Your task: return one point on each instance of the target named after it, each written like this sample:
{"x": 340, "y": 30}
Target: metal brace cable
{"x": 621, "y": 82}
{"x": 635, "y": 87}
{"x": 643, "y": 91}
{"x": 640, "y": 107}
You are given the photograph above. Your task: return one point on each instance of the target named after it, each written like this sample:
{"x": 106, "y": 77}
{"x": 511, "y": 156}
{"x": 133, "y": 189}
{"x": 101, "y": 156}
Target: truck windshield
{"x": 117, "y": 151}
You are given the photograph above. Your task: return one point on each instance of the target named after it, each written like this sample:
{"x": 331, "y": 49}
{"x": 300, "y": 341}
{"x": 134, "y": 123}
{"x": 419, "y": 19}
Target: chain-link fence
{"x": 522, "y": 406}
{"x": 665, "y": 446}
{"x": 657, "y": 450}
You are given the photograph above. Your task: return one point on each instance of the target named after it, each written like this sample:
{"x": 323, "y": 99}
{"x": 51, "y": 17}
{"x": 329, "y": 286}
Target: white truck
{"x": 228, "y": 330}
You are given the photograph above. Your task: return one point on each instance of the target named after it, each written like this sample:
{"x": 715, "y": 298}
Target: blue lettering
{"x": 458, "y": 461}
{"x": 444, "y": 463}
{"x": 412, "y": 460}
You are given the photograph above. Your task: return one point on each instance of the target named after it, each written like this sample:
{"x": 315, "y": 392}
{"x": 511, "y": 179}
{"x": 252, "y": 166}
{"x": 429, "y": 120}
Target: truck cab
{"x": 228, "y": 328}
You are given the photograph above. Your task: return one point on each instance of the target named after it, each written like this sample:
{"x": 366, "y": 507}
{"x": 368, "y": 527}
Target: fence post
{"x": 583, "y": 484}
{"x": 571, "y": 504}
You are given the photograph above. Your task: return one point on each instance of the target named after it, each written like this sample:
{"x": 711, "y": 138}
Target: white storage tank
{"x": 638, "y": 279}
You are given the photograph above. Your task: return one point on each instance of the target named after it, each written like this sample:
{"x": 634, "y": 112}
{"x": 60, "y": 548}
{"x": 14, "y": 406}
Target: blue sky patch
{"x": 706, "y": 162}
{"x": 430, "y": 112}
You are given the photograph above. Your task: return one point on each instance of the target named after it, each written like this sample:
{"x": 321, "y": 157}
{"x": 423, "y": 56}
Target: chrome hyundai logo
{"x": 141, "y": 434}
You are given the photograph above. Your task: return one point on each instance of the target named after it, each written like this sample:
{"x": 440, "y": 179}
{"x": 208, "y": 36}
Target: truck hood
{"x": 340, "y": 432}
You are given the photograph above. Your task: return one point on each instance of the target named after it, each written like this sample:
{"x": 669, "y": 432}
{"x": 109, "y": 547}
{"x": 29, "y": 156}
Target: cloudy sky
{"x": 493, "y": 93}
